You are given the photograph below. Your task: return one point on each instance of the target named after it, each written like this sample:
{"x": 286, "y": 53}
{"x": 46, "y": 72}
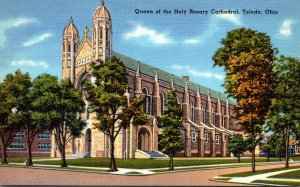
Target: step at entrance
{"x": 156, "y": 154}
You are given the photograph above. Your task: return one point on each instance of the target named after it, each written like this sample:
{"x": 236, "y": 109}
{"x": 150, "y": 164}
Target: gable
{"x": 84, "y": 53}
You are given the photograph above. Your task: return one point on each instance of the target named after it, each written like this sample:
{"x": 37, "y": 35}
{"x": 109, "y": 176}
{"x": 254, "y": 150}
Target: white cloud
{"x": 30, "y": 63}
{"x": 191, "y": 41}
{"x": 153, "y": 36}
{"x": 286, "y": 27}
{"x": 233, "y": 18}
{"x": 10, "y": 24}
{"x": 198, "y": 73}
{"x": 37, "y": 39}
{"x": 213, "y": 27}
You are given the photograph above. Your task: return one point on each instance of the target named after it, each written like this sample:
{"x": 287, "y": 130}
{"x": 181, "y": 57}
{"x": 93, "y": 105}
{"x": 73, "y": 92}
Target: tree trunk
{"x": 268, "y": 157}
{"x": 239, "y": 158}
{"x": 29, "y": 152}
{"x": 253, "y": 152}
{"x": 287, "y": 147}
{"x": 4, "y": 155}
{"x": 112, "y": 165}
{"x": 279, "y": 157}
{"x": 171, "y": 163}
{"x": 63, "y": 157}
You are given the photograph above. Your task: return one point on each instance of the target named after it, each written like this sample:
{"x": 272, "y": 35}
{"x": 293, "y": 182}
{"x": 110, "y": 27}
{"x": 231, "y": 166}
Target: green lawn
{"x": 249, "y": 173}
{"x": 278, "y": 182}
{"x": 289, "y": 175}
{"x": 16, "y": 160}
{"x": 146, "y": 163}
{"x": 296, "y": 158}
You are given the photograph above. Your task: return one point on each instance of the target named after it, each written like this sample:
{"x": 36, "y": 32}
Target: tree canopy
{"x": 108, "y": 100}
{"x": 247, "y": 57}
{"x": 171, "y": 123}
{"x": 237, "y": 145}
{"x": 13, "y": 93}
{"x": 58, "y": 105}
{"x": 284, "y": 113}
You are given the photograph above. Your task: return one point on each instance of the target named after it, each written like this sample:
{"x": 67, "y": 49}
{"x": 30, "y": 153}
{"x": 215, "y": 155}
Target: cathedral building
{"x": 208, "y": 116}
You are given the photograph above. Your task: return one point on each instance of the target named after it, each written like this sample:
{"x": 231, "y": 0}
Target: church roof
{"x": 102, "y": 11}
{"x": 71, "y": 28}
{"x": 146, "y": 69}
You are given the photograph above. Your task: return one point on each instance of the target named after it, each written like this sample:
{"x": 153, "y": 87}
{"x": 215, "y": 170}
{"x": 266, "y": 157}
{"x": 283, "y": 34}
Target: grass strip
{"x": 134, "y": 173}
{"x": 249, "y": 173}
{"x": 223, "y": 179}
{"x": 199, "y": 167}
{"x": 290, "y": 183}
{"x": 146, "y": 163}
{"x": 288, "y": 175}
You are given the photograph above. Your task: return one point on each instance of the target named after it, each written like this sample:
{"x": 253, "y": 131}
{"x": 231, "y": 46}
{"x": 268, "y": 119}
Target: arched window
{"x": 162, "y": 103}
{"x": 147, "y": 101}
{"x": 213, "y": 117}
{"x": 217, "y": 139}
{"x": 94, "y": 35}
{"x": 69, "y": 48}
{"x": 203, "y": 113}
{"x": 192, "y": 110}
{"x": 100, "y": 33}
{"x": 207, "y": 137}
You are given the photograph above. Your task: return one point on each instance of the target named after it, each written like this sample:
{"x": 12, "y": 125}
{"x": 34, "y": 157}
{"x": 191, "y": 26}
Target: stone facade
{"x": 208, "y": 116}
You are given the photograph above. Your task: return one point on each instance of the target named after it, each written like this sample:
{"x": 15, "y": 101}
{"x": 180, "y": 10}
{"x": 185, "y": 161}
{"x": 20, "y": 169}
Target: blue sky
{"x": 31, "y": 33}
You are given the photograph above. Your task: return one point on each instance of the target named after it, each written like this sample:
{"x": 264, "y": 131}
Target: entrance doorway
{"x": 144, "y": 140}
{"x": 88, "y": 139}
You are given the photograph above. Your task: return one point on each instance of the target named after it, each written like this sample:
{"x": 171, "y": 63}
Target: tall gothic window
{"x": 207, "y": 137}
{"x": 217, "y": 139}
{"x": 203, "y": 113}
{"x": 69, "y": 48}
{"x": 100, "y": 33}
{"x": 162, "y": 103}
{"x": 213, "y": 117}
{"x": 192, "y": 110}
{"x": 94, "y": 35}
{"x": 147, "y": 101}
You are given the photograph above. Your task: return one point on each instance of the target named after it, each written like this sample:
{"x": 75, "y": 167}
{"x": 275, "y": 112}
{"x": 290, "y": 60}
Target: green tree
{"x": 265, "y": 146}
{"x": 237, "y": 145}
{"x": 108, "y": 101}
{"x": 284, "y": 114}
{"x": 12, "y": 92}
{"x": 248, "y": 57}
{"x": 23, "y": 118}
{"x": 57, "y": 105}
{"x": 277, "y": 144}
{"x": 171, "y": 123}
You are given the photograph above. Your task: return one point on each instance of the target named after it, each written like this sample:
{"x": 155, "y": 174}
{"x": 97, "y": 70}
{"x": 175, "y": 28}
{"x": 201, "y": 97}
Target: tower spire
{"x": 102, "y": 2}
{"x": 71, "y": 19}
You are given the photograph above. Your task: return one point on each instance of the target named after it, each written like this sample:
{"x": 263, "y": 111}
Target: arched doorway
{"x": 144, "y": 140}
{"x": 88, "y": 140}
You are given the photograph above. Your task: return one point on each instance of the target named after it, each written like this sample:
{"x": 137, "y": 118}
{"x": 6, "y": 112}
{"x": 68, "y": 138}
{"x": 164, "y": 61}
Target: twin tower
{"x": 78, "y": 53}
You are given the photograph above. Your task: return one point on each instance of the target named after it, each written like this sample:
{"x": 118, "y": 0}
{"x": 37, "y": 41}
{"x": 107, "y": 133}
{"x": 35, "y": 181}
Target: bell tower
{"x": 102, "y": 34}
{"x": 70, "y": 44}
